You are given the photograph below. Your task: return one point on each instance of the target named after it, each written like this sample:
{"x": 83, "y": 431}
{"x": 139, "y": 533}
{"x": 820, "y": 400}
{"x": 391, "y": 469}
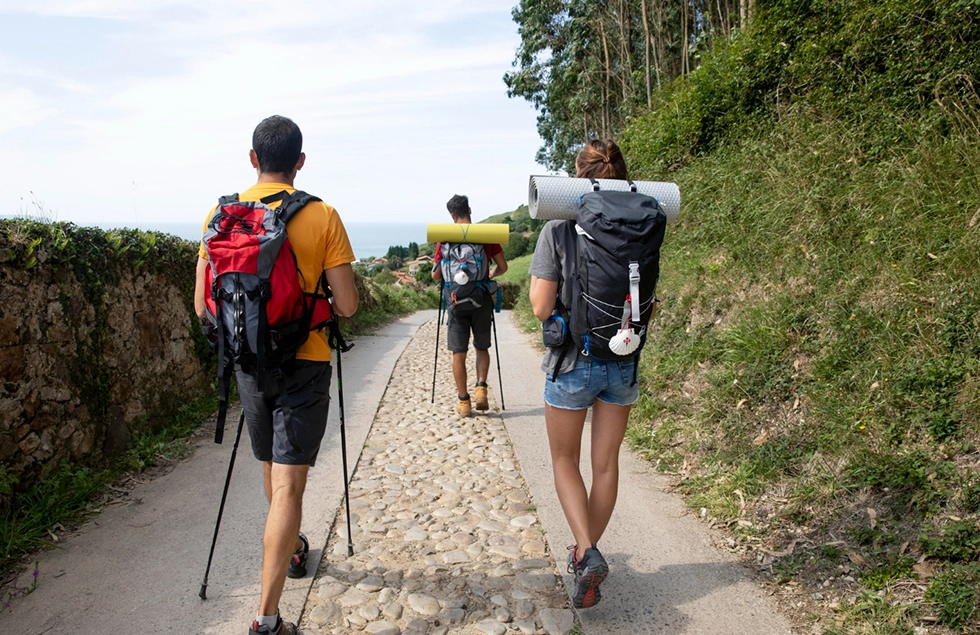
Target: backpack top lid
{"x": 456, "y": 256}
{"x": 625, "y": 224}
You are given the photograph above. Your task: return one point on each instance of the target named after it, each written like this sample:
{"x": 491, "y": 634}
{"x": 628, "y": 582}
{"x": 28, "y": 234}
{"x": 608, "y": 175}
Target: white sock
{"x": 268, "y": 620}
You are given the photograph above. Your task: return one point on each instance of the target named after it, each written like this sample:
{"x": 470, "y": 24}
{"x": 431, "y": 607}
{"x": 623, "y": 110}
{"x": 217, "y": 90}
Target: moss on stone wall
{"x": 98, "y": 340}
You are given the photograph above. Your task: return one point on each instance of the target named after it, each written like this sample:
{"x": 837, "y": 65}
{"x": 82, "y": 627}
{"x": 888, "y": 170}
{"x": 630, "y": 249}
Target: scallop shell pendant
{"x": 624, "y": 342}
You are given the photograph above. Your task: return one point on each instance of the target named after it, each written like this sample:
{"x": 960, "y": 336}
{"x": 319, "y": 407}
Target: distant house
{"x": 405, "y": 279}
{"x": 413, "y": 265}
{"x": 377, "y": 263}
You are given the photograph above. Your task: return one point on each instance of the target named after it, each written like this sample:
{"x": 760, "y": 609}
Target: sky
{"x": 114, "y": 112}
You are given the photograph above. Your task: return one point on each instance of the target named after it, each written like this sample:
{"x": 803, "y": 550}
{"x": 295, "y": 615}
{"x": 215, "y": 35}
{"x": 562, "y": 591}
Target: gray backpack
{"x": 466, "y": 275}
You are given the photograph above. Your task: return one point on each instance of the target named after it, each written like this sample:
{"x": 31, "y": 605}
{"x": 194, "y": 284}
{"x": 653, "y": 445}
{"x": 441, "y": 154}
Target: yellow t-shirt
{"x": 319, "y": 241}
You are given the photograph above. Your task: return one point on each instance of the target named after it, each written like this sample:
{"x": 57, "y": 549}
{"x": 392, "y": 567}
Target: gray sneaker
{"x": 589, "y": 572}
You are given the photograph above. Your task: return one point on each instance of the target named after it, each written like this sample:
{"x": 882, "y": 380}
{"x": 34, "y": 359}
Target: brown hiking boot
{"x": 480, "y": 394}
{"x": 463, "y": 408}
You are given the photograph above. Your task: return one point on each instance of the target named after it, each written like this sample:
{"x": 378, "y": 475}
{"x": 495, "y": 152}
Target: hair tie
{"x": 606, "y": 160}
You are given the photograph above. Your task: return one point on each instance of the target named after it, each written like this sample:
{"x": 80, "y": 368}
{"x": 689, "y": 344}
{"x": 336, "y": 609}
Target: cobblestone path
{"x": 446, "y": 537}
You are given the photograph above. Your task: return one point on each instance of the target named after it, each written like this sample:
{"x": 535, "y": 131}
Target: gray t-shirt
{"x": 550, "y": 263}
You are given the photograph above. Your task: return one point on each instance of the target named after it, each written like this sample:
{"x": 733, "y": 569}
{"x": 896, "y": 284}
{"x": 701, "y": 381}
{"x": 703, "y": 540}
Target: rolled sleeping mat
{"x": 557, "y": 197}
{"x": 484, "y": 233}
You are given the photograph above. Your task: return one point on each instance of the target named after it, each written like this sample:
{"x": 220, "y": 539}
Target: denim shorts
{"x": 609, "y": 382}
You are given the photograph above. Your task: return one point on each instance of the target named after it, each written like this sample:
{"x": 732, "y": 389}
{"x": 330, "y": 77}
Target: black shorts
{"x": 308, "y": 389}
{"x": 477, "y": 320}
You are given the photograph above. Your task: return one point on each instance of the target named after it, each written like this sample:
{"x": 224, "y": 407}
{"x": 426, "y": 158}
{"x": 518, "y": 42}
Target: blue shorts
{"x": 609, "y": 382}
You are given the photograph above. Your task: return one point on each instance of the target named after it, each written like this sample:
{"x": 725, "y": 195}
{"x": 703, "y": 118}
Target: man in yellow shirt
{"x": 320, "y": 244}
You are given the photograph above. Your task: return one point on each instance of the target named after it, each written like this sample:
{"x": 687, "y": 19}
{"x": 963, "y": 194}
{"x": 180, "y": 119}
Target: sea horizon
{"x": 368, "y": 240}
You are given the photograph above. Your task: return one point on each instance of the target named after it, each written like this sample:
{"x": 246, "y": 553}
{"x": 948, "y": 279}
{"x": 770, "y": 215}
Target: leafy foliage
{"x": 586, "y": 65}
{"x": 894, "y": 69}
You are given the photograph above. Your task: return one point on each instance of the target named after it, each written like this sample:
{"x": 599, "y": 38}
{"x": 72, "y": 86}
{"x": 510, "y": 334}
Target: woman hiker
{"x": 574, "y": 390}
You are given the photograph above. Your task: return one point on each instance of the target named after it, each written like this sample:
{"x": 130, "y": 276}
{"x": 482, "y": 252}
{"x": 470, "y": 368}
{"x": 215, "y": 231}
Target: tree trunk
{"x": 607, "y": 89}
{"x": 721, "y": 27}
{"x": 685, "y": 69}
{"x": 646, "y": 50}
{"x": 626, "y": 61}
{"x": 659, "y": 63}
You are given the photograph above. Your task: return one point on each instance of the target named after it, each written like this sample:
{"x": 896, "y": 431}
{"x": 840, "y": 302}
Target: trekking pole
{"x": 221, "y": 508}
{"x": 435, "y": 362}
{"x": 496, "y": 350}
{"x": 341, "y": 346}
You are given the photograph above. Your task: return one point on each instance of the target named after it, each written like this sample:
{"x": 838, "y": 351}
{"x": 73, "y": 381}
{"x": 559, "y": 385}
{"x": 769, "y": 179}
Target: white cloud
{"x": 401, "y": 104}
{"x": 21, "y": 108}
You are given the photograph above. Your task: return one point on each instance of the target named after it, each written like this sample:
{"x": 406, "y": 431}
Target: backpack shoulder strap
{"x": 448, "y": 253}
{"x": 272, "y": 198}
{"x": 292, "y": 203}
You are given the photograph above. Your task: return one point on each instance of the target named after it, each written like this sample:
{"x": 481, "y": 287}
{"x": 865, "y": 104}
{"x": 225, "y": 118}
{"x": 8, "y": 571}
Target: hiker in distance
{"x": 286, "y": 445}
{"x": 596, "y": 370}
{"x": 466, "y": 272}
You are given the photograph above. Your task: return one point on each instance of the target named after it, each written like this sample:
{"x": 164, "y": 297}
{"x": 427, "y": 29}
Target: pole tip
{"x": 204, "y": 591}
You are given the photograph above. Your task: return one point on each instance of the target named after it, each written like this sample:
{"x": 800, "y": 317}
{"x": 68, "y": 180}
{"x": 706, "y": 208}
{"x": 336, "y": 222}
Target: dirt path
{"x": 456, "y": 528}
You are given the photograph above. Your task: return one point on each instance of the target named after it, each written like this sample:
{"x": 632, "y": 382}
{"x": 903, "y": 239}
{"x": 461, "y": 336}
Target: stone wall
{"x": 78, "y": 379}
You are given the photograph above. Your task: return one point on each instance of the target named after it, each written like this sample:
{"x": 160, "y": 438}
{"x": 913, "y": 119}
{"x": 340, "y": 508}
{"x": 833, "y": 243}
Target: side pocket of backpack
{"x": 554, "y": 330}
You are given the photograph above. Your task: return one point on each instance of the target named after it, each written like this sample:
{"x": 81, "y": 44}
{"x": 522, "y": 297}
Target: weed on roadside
{"x": 12, "y": 589}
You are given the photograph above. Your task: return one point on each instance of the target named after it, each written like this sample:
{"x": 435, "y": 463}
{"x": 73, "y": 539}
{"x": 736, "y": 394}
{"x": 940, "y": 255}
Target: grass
{"x": 818, "y": 345}
{"x": 517, "y": 270}
{"x": 65, "y": 495}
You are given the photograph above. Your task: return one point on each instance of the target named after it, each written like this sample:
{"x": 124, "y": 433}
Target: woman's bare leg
{"x": 565, "y": 441}
{"x": 608, "y": 430}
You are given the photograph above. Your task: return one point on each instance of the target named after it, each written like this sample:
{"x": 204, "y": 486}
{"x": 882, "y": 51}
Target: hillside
{"x": 523, "y": 231}
{"x": 812, "y": 379}
{"x": 518, "y": 217}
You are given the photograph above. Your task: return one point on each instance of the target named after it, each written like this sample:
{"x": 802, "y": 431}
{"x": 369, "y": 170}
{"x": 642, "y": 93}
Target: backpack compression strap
{"x": 224, "y": 368}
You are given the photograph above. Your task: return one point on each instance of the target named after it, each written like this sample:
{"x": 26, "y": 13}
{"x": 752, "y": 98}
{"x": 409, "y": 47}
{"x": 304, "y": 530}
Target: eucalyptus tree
{"x": 587, "y": 65}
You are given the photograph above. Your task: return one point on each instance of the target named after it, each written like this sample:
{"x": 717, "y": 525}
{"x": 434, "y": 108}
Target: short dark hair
{"x": 459, "y": 206}
{"x": 277, "y": 143}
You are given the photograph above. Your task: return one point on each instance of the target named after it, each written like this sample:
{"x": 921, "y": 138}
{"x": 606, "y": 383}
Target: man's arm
{"x": 501, "y": 262}
{"x": 345, "y": 297}
{"x": 437, "y": 263}
{"x": 199, "y": 291}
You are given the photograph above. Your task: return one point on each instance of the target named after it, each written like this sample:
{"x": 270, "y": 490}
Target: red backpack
{"x": 258, "y": 312}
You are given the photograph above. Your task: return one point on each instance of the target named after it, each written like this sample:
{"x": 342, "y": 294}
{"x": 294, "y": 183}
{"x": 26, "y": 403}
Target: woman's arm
{"x": 543, "y": 295}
